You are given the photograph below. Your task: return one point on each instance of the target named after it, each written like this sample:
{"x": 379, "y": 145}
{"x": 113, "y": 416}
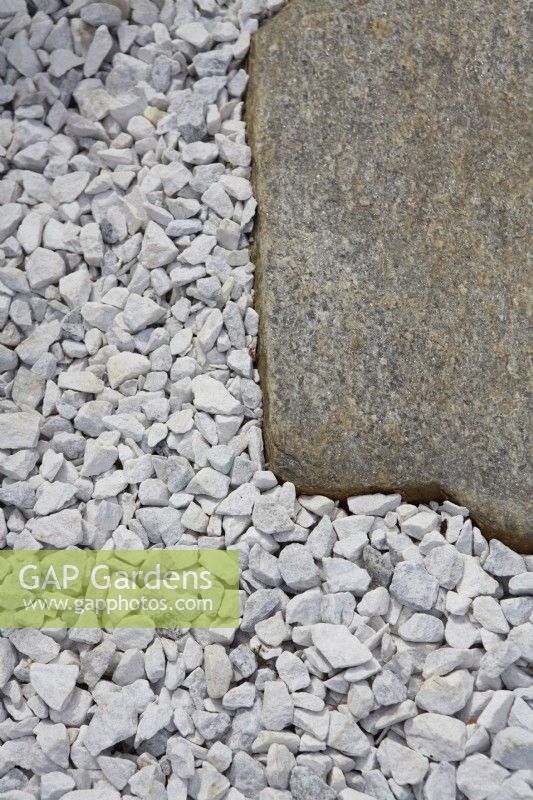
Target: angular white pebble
{"x": 339, "y": 647}
{"x": 212, "y": 396}
{"x": 125, "y": 366}
{"x": 439, "y": 737}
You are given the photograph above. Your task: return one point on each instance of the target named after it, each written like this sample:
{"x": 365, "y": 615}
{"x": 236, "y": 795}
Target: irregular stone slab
{"x": 390, "y": 145}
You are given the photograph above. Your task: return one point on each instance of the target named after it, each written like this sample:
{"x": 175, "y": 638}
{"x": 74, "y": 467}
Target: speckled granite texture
{"x": 391, "y": 156}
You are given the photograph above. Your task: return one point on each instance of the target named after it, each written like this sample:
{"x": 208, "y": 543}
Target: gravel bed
{"x": 385, "y": 649}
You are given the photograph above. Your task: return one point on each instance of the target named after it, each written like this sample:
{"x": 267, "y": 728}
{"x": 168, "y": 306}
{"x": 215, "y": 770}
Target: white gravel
{"x": 385, "y": 649}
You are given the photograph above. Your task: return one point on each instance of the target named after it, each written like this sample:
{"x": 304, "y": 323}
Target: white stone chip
{"x": 125, "y": 366}
{"x": 19, "y": 430}
{"x": 82, "y": 381}
{"x": 446, "y": 564}
{"x": 141, "y": 312}
{"x": 407, "y": 767}
{"x": 376, "y": 505}
{"x": 59, "y": 530}
{"x": 157, "y": 248}
{"x": 414, "y": 587}
{"x": 487, "y": 611}
{"x": 513, "y": 748}
{"x": 503, "y": 562}
{"x": 422, "y": 628}
{"x": 44, "y": 267}
{"x": 212, "y": 396}
{"x": 521, "y": 584}
{"x": 446, "y": 694}
{"x": 478, "y": 776}
{"x": 475, "y": 581}
{"x": 54, "y": 682}
{"x": 277, "y": 708}
{"x": 194, "y": 33}
{"x": 297, "y": 568}
{"x": 345, "y": 735}
{"x": 339, "y": 647}
{"x": 439, "y": 737}
{"x": 53, "y": 497}
{"x": 418, "y": 525}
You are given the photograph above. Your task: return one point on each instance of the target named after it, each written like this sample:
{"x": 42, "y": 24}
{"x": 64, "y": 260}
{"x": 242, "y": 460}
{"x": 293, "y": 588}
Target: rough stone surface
{"x": 389, "y": 152}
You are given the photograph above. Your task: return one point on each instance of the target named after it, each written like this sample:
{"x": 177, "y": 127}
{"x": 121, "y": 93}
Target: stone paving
{"x": 390, "y": 149}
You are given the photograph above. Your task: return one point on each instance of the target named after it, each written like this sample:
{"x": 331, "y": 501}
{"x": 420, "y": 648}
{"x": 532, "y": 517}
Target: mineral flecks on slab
{"x": 393, "y": 280}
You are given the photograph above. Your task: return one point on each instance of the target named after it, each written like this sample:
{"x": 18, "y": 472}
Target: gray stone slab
{"x": 391, "y": 154}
